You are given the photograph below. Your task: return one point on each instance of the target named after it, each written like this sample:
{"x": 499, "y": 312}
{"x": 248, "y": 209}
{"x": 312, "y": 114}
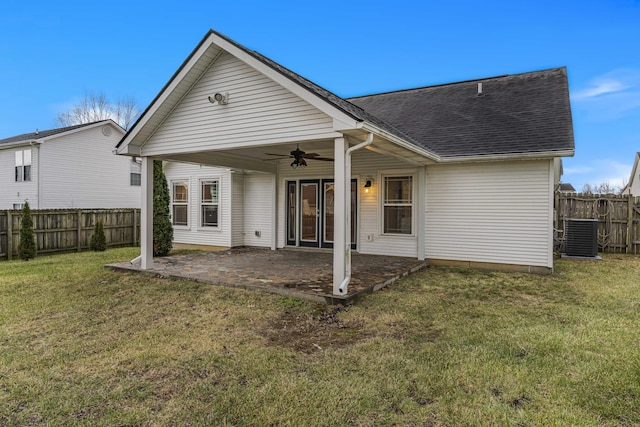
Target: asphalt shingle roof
{"x": 42, "y": 133}
{"x": 520, "y": 113}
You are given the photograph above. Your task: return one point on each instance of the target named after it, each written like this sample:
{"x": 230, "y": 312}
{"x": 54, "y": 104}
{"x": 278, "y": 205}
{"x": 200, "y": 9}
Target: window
{"x": 398, "y": 204}
{"x": 134, "y": 171}
{"x": 179, "y": 202}
{"x": 18, "y": 206}
{"x": 23, "y": 165}
{"x": 209, "y": 202}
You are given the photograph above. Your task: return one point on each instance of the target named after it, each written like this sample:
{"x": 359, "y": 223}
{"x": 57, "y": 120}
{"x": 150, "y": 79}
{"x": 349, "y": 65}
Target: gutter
{"x": 347, "y": 177}
{"x": 542, "y": 155}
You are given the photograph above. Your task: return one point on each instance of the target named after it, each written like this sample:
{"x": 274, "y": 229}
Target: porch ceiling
{"x": 263, "y": 158}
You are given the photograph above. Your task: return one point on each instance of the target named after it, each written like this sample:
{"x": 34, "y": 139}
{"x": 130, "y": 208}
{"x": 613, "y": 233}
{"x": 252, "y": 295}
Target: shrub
{"x": 27, "y": 245}
{"x": 98, "y": 241}
{"x": 162, "y": 227}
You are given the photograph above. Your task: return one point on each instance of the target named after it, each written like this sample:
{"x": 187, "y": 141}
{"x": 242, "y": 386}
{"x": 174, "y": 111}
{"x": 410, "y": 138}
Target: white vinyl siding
{"x": 259, "y": 112}
{"x": 12, "y": 192}
{"x": 194, "y": 175}
{"x": 79, "y": 170}
{"x": 258, "y": 210}
{"x": 237, "y": 209}
{"x": 497, "y": 212}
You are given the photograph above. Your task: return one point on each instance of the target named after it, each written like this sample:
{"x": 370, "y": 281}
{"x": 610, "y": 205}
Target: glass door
{"x": 309, "y": 213}
{"x": 327, "y": 206}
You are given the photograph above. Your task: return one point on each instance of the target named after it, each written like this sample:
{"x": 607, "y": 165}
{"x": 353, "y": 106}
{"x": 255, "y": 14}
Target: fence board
{"x": 63, "y": 230}
{"x": 618, "y": 218}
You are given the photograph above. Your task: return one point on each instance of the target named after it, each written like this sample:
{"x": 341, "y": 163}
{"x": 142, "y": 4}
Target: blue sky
{"x": 53, "y": 53}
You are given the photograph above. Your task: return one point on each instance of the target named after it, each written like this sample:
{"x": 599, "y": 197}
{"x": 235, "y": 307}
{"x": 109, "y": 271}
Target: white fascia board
{"x": 282, "y": 80}
{"x": 17, "y": 144}
{"x": 94, "y": 125}
{"x": 544, "y": 155}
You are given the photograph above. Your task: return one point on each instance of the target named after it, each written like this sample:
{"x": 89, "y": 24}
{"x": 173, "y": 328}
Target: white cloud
{"x": 611, "y": 96}
{"x": 600, "y": 87}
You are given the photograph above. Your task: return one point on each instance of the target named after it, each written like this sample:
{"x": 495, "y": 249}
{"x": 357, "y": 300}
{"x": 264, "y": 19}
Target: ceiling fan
{"x": 299, "y": 157}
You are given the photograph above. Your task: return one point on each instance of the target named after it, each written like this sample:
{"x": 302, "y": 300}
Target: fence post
{"x": 9, "y": 236}
{"x": 629, "y": 223}
{"x": 79, "y": 231}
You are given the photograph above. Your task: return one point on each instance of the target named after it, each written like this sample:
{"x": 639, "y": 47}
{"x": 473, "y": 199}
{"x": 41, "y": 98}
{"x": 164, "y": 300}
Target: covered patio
{"x": 301, "y": 274}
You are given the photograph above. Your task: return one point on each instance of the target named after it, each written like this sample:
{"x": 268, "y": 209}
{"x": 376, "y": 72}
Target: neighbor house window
{"x": 397, "y": 204}
{"x": 179, "y": 202}
{"x": 209, "y": 203}
{"x": 23, "y": 165}
{"x": 18, "y": 206}
{"x": 134, "y": 171}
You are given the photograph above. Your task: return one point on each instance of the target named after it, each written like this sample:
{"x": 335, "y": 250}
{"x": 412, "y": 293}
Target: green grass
{"x": 82, "y": 345}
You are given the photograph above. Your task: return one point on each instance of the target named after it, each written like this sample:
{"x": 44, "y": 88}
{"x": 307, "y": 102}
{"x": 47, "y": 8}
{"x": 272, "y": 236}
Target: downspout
{"x": 347, "y": 178}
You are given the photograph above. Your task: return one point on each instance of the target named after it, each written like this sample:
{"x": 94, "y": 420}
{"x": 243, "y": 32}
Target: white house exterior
{"x": 456, "y": 174}
{"x": 633, "y": 186}
{"x": 71, "y": 167}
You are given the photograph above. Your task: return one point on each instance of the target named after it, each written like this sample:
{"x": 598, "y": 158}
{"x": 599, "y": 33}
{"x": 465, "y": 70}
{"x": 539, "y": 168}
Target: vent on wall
{"x": 582, "y": 237}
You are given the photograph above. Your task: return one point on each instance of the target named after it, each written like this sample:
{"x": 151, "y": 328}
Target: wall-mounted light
{"x": 367, "y": 184}
{"x": 222, "y": 98}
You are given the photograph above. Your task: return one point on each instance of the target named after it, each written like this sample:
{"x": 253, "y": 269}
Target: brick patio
{"x": 302, "y": 274}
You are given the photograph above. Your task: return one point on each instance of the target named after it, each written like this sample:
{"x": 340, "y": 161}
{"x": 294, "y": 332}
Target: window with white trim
{"x": 397, "y": 205}
{"x": 209, "y": 203}
{"x": 23, "y": 165}
{"x": 179, "y": 202}
{"x": 135, "y": 176}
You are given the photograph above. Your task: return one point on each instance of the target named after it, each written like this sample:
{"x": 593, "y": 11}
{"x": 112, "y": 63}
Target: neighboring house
{"x": 457, "y": 174}
{"x": 633, "y": 186}
{"x": 70, "y": 167}
{"x": 566, "y": 188}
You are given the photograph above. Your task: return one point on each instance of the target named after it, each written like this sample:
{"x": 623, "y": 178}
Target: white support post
{"x": 146, "y": 214}
{"x": 422, "y": 212}
{"x": 274, "y": 214}
{"x": 339, "y": 219}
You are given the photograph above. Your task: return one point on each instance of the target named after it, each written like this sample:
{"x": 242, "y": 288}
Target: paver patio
{"x": 300, "y": 274}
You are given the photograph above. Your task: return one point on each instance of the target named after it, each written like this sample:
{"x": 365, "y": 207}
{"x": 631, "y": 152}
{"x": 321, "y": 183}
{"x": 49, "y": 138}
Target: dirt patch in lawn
{"x": 314, "y": 332}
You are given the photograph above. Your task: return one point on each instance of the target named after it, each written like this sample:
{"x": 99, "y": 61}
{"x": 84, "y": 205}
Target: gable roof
{"x": 514, "y": 114}
{"x": 517, "y": 115}
{"x": 43, "y": 134}
{"x": 565, "y": 186}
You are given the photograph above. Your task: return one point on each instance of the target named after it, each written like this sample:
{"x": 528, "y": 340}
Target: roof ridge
{"x": 47, "y": 132}
{"x": 479, "y": 79}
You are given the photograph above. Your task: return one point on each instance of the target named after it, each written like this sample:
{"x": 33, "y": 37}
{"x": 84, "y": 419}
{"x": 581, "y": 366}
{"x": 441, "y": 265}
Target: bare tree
{"x": 604, "y": 187}
{"x": 95, "y": 107}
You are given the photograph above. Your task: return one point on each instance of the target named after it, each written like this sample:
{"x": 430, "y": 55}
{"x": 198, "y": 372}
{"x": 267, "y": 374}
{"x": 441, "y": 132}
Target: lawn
{"x": 83, "y": 345}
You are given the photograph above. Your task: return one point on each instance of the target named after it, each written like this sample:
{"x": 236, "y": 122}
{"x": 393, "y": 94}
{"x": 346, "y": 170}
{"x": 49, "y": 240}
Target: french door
{"x": 310, "y": 213}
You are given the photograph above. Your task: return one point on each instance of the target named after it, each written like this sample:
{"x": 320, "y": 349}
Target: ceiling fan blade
{"x": 310, "y": 155}
{"x": 281, "y": 155}
{"x": 326, "y": 159}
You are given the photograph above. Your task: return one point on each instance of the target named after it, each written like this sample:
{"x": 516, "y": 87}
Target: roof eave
{"x": 398, "y": 141}
{"x": 541, "y": 155}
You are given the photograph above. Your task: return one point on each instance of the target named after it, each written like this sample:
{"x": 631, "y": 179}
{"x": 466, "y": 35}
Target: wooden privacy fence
{"x": 64, "y": 230}
{"x": 618, "y": 218}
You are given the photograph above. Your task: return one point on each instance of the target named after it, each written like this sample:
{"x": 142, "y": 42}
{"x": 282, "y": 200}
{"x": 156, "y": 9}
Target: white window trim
{"x": 218, "y": 203}
{"x": 188, "y": 204}
{"x": 23, "y": 164}
{"x": 396, "y": 173}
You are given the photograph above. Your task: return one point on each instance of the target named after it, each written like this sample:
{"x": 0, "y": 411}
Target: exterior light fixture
{"x": 367, "y": 184}
{"x": 222, "y": 98}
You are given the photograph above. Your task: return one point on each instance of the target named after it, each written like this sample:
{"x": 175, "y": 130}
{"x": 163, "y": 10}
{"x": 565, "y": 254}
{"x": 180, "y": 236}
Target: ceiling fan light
{"x": 302, "y": 162}
{"x": 294, "y": 164}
